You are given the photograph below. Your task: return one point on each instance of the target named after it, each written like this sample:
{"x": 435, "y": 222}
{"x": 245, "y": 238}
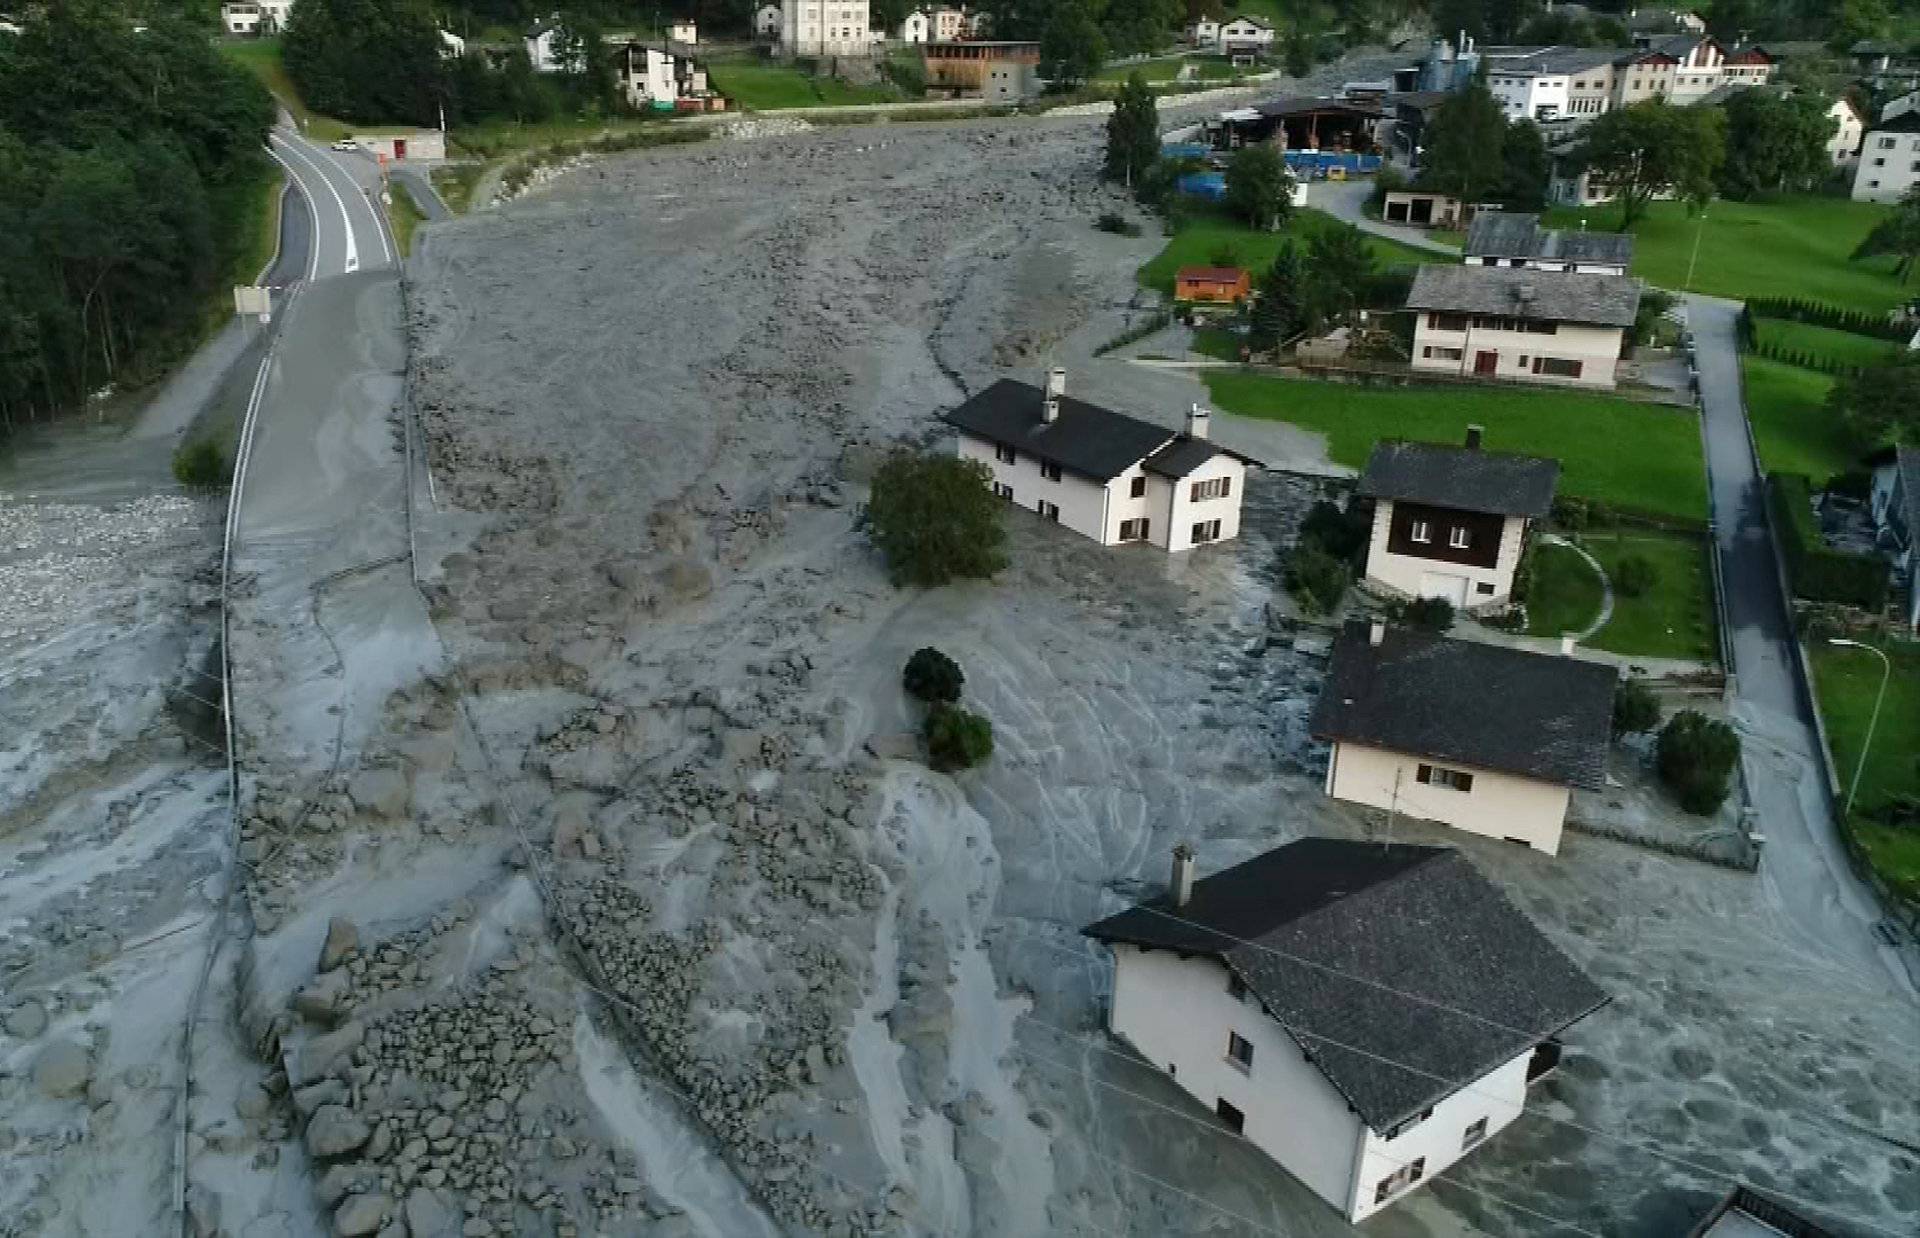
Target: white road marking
{"x": 365, "y": 197}
{"x": 346, "y": 220}
{"x": 313, "y": 241}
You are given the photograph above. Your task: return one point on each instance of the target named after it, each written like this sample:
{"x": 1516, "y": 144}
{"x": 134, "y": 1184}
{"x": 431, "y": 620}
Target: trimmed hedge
{"x": 1817, "y": 573}
{"x": 1859, "y": 322}
{"x": 1802, "y": 358}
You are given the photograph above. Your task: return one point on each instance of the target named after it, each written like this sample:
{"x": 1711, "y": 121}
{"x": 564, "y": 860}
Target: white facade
{"x": 647, "y": 76}
{"x": 1530, "y": 96}
{"x": 1204, "y": 33}
{"x": 452, "y": 46}
{"x": 1889, "y": 165}
{"x": 915, "y": 28}
{"x": 1489, "y": 347}
{"x": 1493, "y": 804}
{"x": 948, "y": 23}
{"x": 541, "y": 52}
{"x": 683, "y": 30}
{"x": 1244, "y": 33}
{"x": 827, "y": 28}
{"x": 766, "y": 21}
{"x": 1178, "y": 1012}
{"x": 1900, "y": 105}
{"x": 1843, "y": 148}
{"x": 1467, "y": 586}
{"x": 255, "y": 16}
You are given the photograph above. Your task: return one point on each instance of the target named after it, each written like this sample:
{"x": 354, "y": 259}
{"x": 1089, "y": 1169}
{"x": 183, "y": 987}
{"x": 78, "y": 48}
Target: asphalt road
{"x": 1804, "y": 864}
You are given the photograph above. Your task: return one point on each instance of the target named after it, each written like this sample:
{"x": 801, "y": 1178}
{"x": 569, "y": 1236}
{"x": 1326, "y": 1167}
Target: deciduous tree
{"x": 1653, "y": 148}
{"x": 935, "y": 519}
{"x": 1133, "y": 132}
{"x": 1775, "y": 142}
{"x": 1259, "y": 187}
{"x": 1072, "y": 48}
{"x": 1881, "y": 404}
{"x": 1899, "y": 235}
{"x": 1464, "y": 155}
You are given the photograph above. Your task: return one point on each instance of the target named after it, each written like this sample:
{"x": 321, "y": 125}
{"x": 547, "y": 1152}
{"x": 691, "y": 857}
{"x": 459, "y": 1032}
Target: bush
{"x": 1427, "y": 614}
{"x": 1316, "y": 579}
{"x": 932, "y": 676}
{"x": 1635, "y": 708}
{"x": 935, "y": 519}
{"x": 1572, "y": 515}
{"x": 957, "y": 739}
{"x": 1635, "y": 575}
{"x": 1696, "y": 755}
{"x": 1116, "y": 223}
{"x": 200, "y": 464}
{"x": 1858, "y": 322}
{"x": 1340, "y": 532}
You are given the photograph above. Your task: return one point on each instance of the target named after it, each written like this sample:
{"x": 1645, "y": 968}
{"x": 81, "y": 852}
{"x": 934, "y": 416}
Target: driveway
{"x": 1804, "y": 865}
{"x": 1347, "y": 200}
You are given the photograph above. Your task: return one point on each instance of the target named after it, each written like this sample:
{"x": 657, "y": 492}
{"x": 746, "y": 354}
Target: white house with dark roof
{"x": 1245, "y": 36}
{"x": 1516, "y": 239}
{"x": 1103, "y": 474}
{"x": 1894, "y": 502}
{"x": 1366, "y": 1014}
{"x": 1452, "y": 522}
{"x": 1502, "y": 322}
{"x": 1480, "y": 737}
{"x": 1889, "y": 164}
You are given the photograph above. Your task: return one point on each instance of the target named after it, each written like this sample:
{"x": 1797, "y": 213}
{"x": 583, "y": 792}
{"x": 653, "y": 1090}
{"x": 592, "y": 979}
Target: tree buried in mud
{"x": 932, "y": 676}
{"x": 935, "y": 519}
{"x": 957, "y": 739}
{"x": 1696, "y": 756}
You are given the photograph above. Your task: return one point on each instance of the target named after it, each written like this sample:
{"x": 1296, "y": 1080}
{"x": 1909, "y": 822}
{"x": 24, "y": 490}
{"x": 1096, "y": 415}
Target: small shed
{"x": 1422, "y": 209}
{"x": 1211, "y": 285}
{"x": 420, "y": 144}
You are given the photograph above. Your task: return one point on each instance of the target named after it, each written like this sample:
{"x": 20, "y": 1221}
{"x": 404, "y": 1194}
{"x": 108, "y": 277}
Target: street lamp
{"x": 1886, "y": 669}
{"x": 1699, "y": 227}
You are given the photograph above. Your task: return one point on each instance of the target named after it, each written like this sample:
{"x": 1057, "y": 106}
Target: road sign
{"x": 253, "y": 299}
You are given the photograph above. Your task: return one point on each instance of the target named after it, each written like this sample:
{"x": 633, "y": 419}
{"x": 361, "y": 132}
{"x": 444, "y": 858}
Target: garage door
{"x": 1442, "y": 585}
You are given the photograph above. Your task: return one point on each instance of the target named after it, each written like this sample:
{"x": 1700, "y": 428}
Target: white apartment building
{"x": 1889, "y": 164}
{"x": 1849, "y": 130}
{"x": 827, "y": 28}
{"x": 1486, "y": 739}
{"x": 1498, "y": 322}
{"x": 948, "y": 23}
{"x": 1103, "y": 474}
{"x": 1293, "y": 996}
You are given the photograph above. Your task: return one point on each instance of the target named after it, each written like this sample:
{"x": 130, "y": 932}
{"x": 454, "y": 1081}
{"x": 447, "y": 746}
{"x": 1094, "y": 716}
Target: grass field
{"x": 1209, "y": 237}
{"x": 1643, "y": 457}
{"x": 262, "y": 57}
{"x": 1166, "y": 68}
{"x": 761, "y": 86}
{"x": 1839, "y": 347}
{"x": 1791, "y": 424}
{"x": 1795, "y": 246}
{"x": 1673, "y": 619}
{"x": 454, "y": 182}
{"x": 1566, "y": 592}
{"x": 1847, "y": 680}
{"x": 404, "y": 216}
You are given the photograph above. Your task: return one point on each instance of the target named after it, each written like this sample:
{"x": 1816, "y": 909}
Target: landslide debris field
{"x": 639, "y": 914}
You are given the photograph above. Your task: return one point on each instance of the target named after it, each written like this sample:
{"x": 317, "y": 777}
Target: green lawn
{"x": 758, "y": 85}
{"x": 1166, "y": 68}
{"x": 1673, "y": 619}
{"x": 1795, "y": 246}
{"x": 455, "y": 183}
{"x": 1643, "y": 457}
{"x": 1565, "y": 594}
{"x": 1791, "y": 424}
{"x": 262, "y": 58}
{"x": 1210, "y": 237}
{"x": 404, "y": 216}
{"x": 1847, "y": 680}
{"x": 1839, "y": 347}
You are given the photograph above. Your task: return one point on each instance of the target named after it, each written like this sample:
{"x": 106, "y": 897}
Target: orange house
{"x": 1211, "y": 285}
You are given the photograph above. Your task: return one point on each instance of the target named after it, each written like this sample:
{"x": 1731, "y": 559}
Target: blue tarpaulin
{"x": 1209, "y": 185}
{"x": 1186, "y": 150}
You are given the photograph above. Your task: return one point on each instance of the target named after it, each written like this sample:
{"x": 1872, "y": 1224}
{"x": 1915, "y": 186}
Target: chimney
{"x": 1197, "y": 420}
{"x": 1566, "y": 646}
{"x": 1056, "y": 387}
{"x": 1182, "y": 888}
{"x": 1377, "y": 632}
{"x": 1473, "y": 437}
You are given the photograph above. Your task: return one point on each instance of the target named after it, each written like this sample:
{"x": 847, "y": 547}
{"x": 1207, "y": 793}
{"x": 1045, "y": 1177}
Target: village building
{"x": 948, "y": 24}
{"x": 1538, "y": 86}
{"x": 1223, "y": 286}
{"x": 1889, "y": 162}
{"x": 545, "y": 49}
{"x": 996, "y": 72}
{"x": 1364, "y": 1013}
{"x": 1894, "y": 503}
{"x": 1516, "y": 239}
{"x": 452, "y": 46}
{"x": 652, "y": 77}
{"x": 1503, "y": 323}
{"x": 1203, "y": 32}
{"x": 683, "y": 30}
{"x": 1422, "y": 209}
{"x": 1486, "y": 739}
{"x": 827, "y": 28}
{"x": 261, "y": 17}
{"x": 1746, "y": 1213}
{"x": 915, "y": 28}
{"x": 1245, "y": 37}
{"x": 1849, "y": 130}
{"x": 1103, "y": 474}
{"x": 767, "y": 20}
{"x": 1452, "y": 522}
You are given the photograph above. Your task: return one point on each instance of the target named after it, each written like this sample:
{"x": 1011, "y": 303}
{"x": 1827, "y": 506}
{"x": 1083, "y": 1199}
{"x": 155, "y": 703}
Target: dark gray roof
{"x": 1301, "y": 105}
{"x": 1905, "y": 122}
{"x": 1546, "y": 296}
{"x": 1517, "y": 234}
{"x": 1404, "y": 974}
{"x": 1462, "y": 478}
{"x": 1085, "y": 438}
{"x": 1907, "y": 460}
{"x": 1554, "y": 61}
{"x": 1533, "y": 714}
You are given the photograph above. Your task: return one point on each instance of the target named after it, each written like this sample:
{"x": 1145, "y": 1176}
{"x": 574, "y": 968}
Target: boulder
{"x": 361, "y": 1214}
{"x": 27, "y": 1020}
{"x": 342, "y": 938}
{"x": 336, "y": 1131}
{"x": 62, "y": 1069}
{"x": 428, "y": 1215}
{"x": 380, "y": 793}
{"x": 686, "y": 578}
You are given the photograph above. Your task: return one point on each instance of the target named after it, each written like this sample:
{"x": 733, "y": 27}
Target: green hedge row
{"x": 1802, "y": 358}
{"x": 1817, "y": 573}
{"x": 1858, "y": 322}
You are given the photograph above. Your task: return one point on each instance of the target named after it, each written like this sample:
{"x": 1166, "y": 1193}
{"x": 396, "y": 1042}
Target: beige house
{"x": 1293, "y": 996}
{"x": 1452, "y": 522}
{"x": 1483, "y": 738}
{"x": 1103, "y": 474}
{"x": 1538, "y": 326}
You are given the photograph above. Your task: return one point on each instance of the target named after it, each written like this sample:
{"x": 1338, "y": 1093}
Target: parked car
{"x": 346, "y": 144}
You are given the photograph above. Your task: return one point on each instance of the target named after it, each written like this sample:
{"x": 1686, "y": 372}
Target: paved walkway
{"x": 1804, "y": 862}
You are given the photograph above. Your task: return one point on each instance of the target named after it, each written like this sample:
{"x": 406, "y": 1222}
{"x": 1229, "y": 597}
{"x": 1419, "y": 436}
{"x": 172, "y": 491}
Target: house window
{"x": 1216, "y": 488}
{"x": 1557, "y": 367}
{"x": 1484, "y": 588}
{"x": 1138, "y": 488}
{"x": 1476, "y": 1131}
{"x": 1457, "y": 537}
{"x": 1206, "y": 531}
{"x": 1443, "y": 354}
{"x": 1448, "y": 322}
{"x": 1886, "y": 143}
{"x": 1405, "y": 1124}
{"x": 1240, "y": 1052}
{"x": 1441, "y": 776}
{"x": 1050, "y": 471}
{"x": 1133, "y": 530}
{"x": 1235, "y": 1120}
{"x": 1421, "y": 532}
{"x": 1005, "y": 492}
{"x": 1004, "y": 454}
{"x": 1236, "y": 987}
{"x": 1400, "y": 1179}
{"x": 1050, "y": 510}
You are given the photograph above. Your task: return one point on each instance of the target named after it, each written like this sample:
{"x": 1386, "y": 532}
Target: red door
{"x": 1485, "y": 362}
{"x": 399, "y": 148}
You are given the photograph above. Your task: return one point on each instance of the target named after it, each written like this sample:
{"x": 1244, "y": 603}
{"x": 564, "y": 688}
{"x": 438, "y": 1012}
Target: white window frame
{"x": 1206, "y": 531}
{"x": 1243, "y": 1064}
{"x": 1457, "y": 537}
{"x": 1420, "y": 532}
{"x": 1474, "y": 1135}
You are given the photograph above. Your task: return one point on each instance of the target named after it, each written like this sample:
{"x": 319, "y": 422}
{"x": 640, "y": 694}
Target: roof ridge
{"x": 1375, "y": 886}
